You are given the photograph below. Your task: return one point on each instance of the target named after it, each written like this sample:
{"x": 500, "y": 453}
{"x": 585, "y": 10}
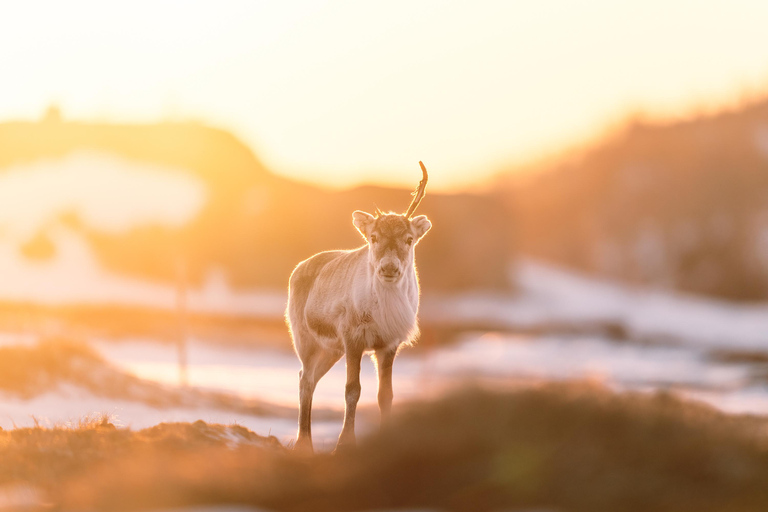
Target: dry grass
{"x": 60, "y": 459}
{"x": 560, "y": 447}
{"x": 30, "y": 370}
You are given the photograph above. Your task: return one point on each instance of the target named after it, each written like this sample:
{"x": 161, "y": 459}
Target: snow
{"x": 552, "y": 296}
{"x": 687, "y": 329}
{"x": 747, "y": 400}
{"x": 562, "y": 358}
{"x": 251, "y": 373}
{"x": 106, "y": 191}
{"x": 480, "y": 358}
{"x": 75, "y": 276}
{"x": 477, "y": 358}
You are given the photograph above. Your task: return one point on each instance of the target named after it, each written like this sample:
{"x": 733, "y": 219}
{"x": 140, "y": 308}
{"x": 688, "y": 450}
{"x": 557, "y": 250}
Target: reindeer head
{"x": 392, "y": 237}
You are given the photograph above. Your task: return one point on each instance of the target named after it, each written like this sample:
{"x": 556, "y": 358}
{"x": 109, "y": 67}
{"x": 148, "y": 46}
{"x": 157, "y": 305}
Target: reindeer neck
{"x": 394, "y": 308}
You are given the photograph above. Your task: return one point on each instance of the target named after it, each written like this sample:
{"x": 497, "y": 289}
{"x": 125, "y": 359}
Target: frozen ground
{"x": 552, "y": 296}
{"x": 487, "y": 358}
{"x": 671, "y": 343}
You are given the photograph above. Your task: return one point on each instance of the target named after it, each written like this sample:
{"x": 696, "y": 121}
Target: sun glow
{"x": 339, "y": 93}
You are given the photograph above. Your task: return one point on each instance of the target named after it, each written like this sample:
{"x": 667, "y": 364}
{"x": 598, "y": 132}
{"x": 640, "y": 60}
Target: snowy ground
{"x": 552, "y": 296}
{"x": 670, "y": 344}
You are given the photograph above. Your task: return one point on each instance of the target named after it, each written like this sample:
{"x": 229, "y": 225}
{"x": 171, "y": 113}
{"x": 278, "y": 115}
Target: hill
{"x": 679, "y": 205}
{"x": 254, "y": 225}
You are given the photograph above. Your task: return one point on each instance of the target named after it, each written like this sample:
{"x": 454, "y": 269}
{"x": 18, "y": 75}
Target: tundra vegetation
{"x": 555, "y": 447}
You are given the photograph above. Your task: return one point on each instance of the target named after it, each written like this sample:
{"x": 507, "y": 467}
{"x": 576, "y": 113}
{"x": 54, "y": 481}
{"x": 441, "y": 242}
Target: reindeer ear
{"x": 420, "y": 225}
{"x": 362, "y": 222}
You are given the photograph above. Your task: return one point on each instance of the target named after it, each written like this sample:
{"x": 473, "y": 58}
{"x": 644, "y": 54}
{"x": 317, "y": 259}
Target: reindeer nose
{"x": 390, "y": 270}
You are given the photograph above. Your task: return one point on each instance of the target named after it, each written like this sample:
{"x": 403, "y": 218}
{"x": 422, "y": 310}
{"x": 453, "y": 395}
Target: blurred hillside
{"x": 254, "y": 226}
{"x": 682, "y": 205}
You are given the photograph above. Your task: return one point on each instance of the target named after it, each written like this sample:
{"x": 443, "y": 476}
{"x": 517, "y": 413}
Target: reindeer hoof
{"x": 345, "y": 444}
{"x": 342, "y": 449}
{"x": 303, "y": 446}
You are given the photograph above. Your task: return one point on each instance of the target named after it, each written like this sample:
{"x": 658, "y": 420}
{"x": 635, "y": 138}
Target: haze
{"x": 339, "y": 93}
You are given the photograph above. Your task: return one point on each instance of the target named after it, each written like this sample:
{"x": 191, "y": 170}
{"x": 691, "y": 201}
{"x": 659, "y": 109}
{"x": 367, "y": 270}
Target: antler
{"x": 418, "y": 194}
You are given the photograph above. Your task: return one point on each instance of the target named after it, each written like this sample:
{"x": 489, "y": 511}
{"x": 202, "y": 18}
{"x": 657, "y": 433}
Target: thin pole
{"x": 181, "y": 314}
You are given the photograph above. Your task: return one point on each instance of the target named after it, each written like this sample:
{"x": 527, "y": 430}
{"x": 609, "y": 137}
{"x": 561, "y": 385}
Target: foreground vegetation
{"x": 559, "y": 447}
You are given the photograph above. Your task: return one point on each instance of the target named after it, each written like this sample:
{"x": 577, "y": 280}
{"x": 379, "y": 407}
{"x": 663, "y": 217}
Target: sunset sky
{"x": 347, "y": 92}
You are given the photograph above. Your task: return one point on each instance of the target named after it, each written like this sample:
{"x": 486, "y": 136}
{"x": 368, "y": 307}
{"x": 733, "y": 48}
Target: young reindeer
{"x": 353, "y": 302}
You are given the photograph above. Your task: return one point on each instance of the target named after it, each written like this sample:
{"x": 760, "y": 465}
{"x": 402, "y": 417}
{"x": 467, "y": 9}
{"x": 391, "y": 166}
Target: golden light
{"x": 339, "y": 93}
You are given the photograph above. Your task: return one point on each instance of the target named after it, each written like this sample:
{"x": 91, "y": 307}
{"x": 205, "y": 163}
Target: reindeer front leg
{"x": 384, "y": 360}
{"x": 352, "y": 395}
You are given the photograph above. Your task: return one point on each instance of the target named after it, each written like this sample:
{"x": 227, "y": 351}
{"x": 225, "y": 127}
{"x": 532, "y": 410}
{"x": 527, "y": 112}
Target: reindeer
{"x": 355, "y": 302}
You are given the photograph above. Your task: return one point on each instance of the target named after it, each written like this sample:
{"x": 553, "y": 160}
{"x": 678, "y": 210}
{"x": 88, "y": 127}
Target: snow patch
{"x": 107, "y": 192}
{"x": 552, "y": 296}
{"x": 75, "y": 276}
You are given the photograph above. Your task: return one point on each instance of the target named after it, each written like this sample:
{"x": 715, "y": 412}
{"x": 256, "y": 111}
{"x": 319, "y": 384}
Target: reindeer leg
{"x": 384, "y": 360}
{"x": 311, "y": 372}
{"x": 306, "y": 391}
{"x": 352, "y": 395}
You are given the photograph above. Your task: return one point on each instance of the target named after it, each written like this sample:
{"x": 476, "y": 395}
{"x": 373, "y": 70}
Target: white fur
{"x": 343, "y": 293}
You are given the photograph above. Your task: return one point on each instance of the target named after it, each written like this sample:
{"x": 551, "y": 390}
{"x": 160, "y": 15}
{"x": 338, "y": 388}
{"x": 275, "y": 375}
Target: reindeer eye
{"x": 409, "y": 240}
{"x": 374, "y": 239}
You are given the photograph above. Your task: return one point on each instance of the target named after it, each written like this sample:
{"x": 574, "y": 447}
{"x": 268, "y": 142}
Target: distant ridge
{"x": 202, "y": 150}
{"x": 679, "y": 205}
{"x": 257, "y": 226}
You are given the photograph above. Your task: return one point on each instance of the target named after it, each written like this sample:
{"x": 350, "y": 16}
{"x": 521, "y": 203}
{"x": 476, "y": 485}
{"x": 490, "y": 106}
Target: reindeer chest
{"x": 386, "y": 321}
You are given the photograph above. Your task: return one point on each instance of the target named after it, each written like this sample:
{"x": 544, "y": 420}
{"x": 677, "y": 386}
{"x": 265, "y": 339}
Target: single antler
{"x": 418, "y": 194}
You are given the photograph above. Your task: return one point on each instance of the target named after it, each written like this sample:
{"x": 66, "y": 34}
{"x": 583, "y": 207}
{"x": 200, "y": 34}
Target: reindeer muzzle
{"x": 389, "y": 272}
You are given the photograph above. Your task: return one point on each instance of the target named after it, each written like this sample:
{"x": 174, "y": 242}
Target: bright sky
{"x": 360, "y": 91}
